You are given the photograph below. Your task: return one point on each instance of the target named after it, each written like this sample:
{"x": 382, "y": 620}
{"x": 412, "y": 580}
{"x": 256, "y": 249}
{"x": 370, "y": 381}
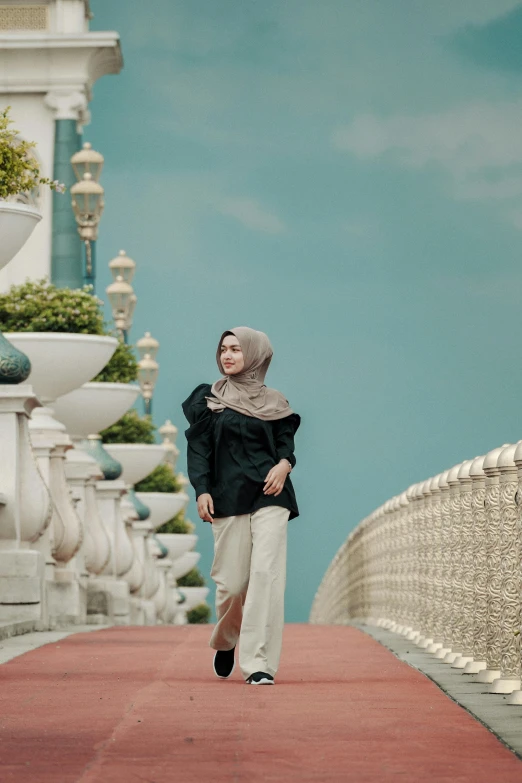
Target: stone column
{"x": 68, "y": 107}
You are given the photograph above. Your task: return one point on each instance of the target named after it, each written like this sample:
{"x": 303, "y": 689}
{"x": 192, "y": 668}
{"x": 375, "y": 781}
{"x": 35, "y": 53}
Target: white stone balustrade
{"x": 441, "y": 564}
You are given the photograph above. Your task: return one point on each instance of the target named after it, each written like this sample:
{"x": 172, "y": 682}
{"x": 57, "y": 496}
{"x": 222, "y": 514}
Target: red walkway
{"x": 141, "y": 704}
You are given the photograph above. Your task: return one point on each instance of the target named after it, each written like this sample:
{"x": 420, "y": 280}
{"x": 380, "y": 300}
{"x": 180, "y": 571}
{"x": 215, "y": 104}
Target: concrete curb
{"x": 16, "y": 629}
{"x": 20, "y": 642}
{"x": 502, "y": 719}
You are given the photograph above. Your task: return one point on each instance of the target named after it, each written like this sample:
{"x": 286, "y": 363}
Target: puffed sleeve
{"x": 284, "y": 431}
{"x": 199, "y": 438}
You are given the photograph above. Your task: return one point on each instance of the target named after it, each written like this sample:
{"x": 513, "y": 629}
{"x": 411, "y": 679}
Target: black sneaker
{"x": 260, "y": 678}
{"x": 224, "y": 663}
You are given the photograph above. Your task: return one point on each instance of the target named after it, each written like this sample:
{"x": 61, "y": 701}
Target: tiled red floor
{"x": 142, "y": 704}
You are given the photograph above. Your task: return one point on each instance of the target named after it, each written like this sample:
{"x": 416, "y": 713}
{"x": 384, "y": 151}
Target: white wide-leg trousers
{"x": 249, "y": 570}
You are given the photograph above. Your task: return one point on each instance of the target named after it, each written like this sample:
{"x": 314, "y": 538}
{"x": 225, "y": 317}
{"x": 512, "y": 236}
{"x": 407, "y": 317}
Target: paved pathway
{"x": 124, "y": 705}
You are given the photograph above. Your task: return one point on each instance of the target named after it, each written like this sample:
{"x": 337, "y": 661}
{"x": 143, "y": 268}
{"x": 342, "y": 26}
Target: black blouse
{"x": 229, "y": 456}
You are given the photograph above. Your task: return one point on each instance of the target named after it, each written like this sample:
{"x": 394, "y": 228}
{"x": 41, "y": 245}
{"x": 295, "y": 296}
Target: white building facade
{"x": 49, "y": 62}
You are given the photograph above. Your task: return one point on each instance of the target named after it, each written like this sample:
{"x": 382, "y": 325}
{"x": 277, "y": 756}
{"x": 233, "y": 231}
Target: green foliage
{"x": 19, "y": 170}
{"x": 200, "y": 614}
{"x": 39, "y": 306}
{"x": 122, "y": 367}
{"x": 194, "y": 578}
{"x": 177, "y": 524}
{"x": 131, "y": 428}
{"x": 162, "y": 479}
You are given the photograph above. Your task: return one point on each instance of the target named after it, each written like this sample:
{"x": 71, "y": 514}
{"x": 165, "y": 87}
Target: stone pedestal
{"x": 25, "y": 511}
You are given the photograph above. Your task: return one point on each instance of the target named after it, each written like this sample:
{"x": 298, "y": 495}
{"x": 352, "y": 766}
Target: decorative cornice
{"x": 54, "y": 61}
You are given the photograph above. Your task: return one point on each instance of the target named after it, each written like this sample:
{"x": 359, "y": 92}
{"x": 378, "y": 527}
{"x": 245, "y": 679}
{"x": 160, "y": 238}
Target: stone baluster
{"x": 427, "y": 565}
{"x": 455, "y": 525}
{"x": 375, "y": 565}
{"x": 416, "y": 538}
{"x": 402, "y": 539}
{"x": 112, "y": 579}
{"x": 494, "y": 610}
{"x": 387, "y": 554}
{"x": 362, "y": 562}
{"x": 445, "y": 525}
{"x": 387, "y": 560}
{"x": 400, "y": 504}
{"x": 405, "y": 626}
{"x": 515, "y": 698}
{"x": 357, "y": 560}
{"x": 66, "y": 579}
{"x": 436, "y": 579}
{"x": 82, "y": 472}
{"x": 463, "y": 583}
{"x": 479, "y": 568}
{"x": 511, "y": 563}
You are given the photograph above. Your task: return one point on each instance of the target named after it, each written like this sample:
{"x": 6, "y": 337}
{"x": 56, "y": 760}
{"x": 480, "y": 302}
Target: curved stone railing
{"x": 441, "y": 564}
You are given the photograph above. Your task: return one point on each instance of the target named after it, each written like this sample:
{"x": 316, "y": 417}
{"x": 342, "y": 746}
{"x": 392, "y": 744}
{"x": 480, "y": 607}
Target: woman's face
{"x": 231, "y": 355}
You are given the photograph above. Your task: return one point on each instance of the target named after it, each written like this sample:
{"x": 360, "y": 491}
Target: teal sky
{"x": 346, "y": 176}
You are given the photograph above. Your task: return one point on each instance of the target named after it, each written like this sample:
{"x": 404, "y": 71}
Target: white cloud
{"x": 465, "y": 139}
{"x": 250, "y": 214}
{"x": 483, "y": 189}
{"x": 478, "y": 145}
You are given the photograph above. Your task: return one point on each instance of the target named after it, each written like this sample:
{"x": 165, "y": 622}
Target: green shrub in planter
{"x": 19, "y": 169}
{"x": 39, "y": 306}
{"x": 131, "y": 428}
{"x": 162, "y": 479}
{"x": 194, "y": 578}
{"x": 177, "y": 524}
{"x": 200, "y": 614}
{"x": 122, "y": 367}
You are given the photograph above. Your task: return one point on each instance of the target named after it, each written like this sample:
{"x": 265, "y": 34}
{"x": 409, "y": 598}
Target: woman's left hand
{"x": 276, "y": 478}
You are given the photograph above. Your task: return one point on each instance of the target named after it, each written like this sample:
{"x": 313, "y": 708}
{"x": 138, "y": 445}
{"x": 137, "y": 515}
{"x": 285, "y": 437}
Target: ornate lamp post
{"x": 120, "y": 296}
{"x": 122, "y": 266}
{"x": 169, "y": 433}
{"x": 148, "y": 368}
{"x": 87, "y": 161}
{"x": 87, "y": 204}
{"x": 147, "y": 376}
{"x": 147, "y": 345}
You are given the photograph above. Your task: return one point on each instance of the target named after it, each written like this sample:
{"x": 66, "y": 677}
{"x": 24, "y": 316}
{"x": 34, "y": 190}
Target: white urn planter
{"x": 136, "y": 459}
{"x": 163, "y": 505}
{"x": 194, "y": 596}
{"x": 61, "y": 362}
{"x": 94, "y": 406}
{"x": 185, "y": 563}
{"x": 17, "y": 223}
{"x": 177, "y": 543}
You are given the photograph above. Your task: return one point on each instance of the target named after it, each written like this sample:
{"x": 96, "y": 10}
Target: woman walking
{"x": 240, "y": 454}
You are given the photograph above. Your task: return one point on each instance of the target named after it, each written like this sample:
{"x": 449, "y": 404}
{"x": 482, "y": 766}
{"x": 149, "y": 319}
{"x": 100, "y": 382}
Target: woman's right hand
{"x": 205, "y": 507}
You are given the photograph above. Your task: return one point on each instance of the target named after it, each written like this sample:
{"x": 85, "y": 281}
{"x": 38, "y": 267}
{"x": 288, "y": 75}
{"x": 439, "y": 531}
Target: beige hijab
{"x": 246, "y": 392}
